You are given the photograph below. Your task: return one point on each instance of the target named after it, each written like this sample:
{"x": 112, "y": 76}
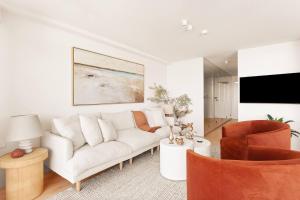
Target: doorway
{"x": 220, "y": 100}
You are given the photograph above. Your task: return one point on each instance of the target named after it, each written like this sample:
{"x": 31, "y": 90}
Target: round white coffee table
{"x": 202, "y": 146}
{"x": 173, "y": 159}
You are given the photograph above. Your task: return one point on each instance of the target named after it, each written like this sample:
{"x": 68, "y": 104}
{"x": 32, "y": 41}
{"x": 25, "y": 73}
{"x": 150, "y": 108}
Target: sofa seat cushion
{"x": 88, "y": 157}
{"x": 136, "y": 138}
{"x": 162, "y": 132}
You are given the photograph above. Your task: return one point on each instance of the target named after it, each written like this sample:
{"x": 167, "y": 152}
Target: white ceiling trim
{"x": 72, "y": 29}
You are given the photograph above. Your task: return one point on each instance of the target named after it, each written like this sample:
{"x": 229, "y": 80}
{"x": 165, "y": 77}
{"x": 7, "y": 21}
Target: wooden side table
{"x": 25, "y": 175}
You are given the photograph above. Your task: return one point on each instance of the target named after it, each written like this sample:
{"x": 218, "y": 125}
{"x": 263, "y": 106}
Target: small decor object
{"x": 17, "y": 153}
{"x": 190, "y": 135}
{"x": 169, "y": 112}
{"x": 24, "y": 128}
{"x": 101, "y": 79}
{"x": 187, "y": 130}
{"x": 293, "y": 132}
{"x": 179, "y": 140}
{"x": 171, "y": 137}
{"x": 188, "y": 126}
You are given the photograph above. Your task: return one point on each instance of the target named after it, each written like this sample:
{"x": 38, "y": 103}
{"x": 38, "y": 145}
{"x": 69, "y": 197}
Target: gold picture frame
{"x": 99, "y": 79}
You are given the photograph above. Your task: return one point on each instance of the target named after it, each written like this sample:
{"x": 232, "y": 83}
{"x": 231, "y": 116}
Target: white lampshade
{"x": 24, "y": 127}
{"x": 168, "y": 109}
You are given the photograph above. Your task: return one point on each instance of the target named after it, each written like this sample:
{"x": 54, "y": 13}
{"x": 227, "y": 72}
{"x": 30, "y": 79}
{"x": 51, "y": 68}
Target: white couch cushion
{"x": 91, "y": 129}
{"x": 69, "y": 127}
{"x": 120, "y": 120}
{"x": 155, "y": 117}
{"x": 88, "y": 157}
{"x": 136, "y": 138}
{"x": 162, "y": 132}
{"x": 108, "y": 130}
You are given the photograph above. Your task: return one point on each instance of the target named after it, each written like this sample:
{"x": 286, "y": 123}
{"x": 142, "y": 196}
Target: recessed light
{"x": 226, "y": 62}
{"x": 189, "y": 27}
{"x": 184, "y": 22}
{"x": 204, "y": 32}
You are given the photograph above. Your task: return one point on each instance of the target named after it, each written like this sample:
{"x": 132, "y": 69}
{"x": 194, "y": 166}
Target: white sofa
{"x": 76, "y": 165}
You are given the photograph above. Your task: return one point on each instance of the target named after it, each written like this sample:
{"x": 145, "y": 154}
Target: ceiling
{"x": 212, "y": 70}
{"x": 154, "y": 26}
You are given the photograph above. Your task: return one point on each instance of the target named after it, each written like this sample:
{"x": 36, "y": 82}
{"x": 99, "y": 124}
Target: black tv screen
{"x": 280, "y": 88}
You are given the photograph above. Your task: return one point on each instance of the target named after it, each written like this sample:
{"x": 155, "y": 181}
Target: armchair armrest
{"x": 60, "y": 148}
{"x": 236, "y": 129}
{"x": 273, "y": 139}
{"x": 257, "y": 153}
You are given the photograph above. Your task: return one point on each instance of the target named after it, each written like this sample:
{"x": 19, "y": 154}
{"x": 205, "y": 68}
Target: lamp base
{"x": 26, "y": 145}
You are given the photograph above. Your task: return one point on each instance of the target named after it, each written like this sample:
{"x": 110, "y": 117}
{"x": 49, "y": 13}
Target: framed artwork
{"x": 101, "y": 79}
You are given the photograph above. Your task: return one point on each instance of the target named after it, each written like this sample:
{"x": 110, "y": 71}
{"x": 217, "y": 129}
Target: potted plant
{"x": 295, "y": 141}
{"x": 180, "y": 105}
{"x": 293, "y": 132}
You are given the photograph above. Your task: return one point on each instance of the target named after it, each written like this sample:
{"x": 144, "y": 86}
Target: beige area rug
{"x": 140, "y": 181}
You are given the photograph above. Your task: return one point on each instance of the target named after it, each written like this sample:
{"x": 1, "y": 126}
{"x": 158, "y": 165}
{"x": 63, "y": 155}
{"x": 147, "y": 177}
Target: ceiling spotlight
{"x": 184, "y": 22}
{"x": 189, "y": 27}
{"x": 204, "y": 32}
{"x": 226, "y": 62}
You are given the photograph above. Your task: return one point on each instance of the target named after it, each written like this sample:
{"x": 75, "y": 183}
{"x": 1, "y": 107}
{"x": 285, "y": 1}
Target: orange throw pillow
{"x": 153, "y": 129}
{"x": 142, "y": 123}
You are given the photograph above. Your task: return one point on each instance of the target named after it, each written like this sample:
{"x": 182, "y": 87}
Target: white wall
{"x": 186, "y": 77}
{"x": 40, "y": 68}
{"x": 4, "y": 77}
{"x": 5, "y": 87}
{"x": 266, "y": 60}
{"x": 209, "y": 110}
{"x": 235, "y": 97}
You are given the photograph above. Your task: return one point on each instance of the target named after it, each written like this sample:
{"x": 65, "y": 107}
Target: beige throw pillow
{"x": 69, "y": 127}
{"x": 155, "y": 117}
{"x": 108, "y": 130}
{"x": 91, "y": 129}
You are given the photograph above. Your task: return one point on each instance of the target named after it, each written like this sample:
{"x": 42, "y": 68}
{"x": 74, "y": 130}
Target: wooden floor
{"x": 215, "y": 136}
{"x": 210, "y": 124}
{"x": 54, "y": 183}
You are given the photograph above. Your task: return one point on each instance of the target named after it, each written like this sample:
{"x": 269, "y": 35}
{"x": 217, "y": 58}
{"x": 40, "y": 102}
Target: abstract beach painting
{"x": 101, "y": 79}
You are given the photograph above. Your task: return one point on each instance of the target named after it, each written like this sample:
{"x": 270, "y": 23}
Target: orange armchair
{"x": 276, "y": 175}
{"x": 238, "y": 136}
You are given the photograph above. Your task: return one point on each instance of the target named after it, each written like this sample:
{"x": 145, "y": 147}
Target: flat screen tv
{"x": 279, "y": 88}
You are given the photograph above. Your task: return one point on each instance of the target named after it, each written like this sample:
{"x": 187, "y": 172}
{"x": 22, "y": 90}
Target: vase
{"x": 171, "y": 136}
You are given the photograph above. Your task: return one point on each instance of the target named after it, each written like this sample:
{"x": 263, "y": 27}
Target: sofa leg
{"x": 121, "y": 165}
{"x": 130, "y": 161}
{"x": 152, "y": 151}
{"x": 78, "y": 186}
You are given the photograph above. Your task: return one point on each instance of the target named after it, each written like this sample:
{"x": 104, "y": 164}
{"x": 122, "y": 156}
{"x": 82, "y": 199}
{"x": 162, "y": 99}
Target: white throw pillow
{"x": 155, "y": 117}
{"x": 120, "y": 120}
{"x": 69, "y": 127}
{"x": 91, "y": 129}
{"x": 108, "y": 130}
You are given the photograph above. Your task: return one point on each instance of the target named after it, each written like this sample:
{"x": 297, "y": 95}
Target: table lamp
{"x": 24, "y": 128}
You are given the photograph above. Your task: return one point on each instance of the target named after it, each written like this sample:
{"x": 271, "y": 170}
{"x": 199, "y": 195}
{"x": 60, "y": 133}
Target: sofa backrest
{"x": 121, "y": 120}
